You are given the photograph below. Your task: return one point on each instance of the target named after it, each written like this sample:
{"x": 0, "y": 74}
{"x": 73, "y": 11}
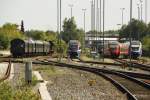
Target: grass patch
{"x": 23, "y": 93}
{"x": 85, "y": 58}
{"x": 25, "y": 84}
{"x": 34, "y": 80}
{"x": 52, "y": 71}
{"x": 26, "y": 94}
{"x": 49, "y": 70}
{"x": 41, "y": 68}
{"x": 5, "y": 91}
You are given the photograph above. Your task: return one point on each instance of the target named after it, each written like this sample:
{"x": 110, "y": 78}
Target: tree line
{"x": 139, "y": 31}
{"x": 11, "y": 31}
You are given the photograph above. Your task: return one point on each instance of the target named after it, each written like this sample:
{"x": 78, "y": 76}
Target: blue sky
{"x": 42, "y": 14}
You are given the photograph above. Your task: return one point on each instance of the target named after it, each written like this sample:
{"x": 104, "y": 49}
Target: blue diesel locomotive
{"x": 74, "y": 49}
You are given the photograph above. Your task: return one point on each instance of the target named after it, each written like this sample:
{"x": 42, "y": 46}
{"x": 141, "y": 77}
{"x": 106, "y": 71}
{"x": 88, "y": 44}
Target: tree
{"x": 146, "y": 43}
{"x": 80, "y": 35}
{"x": 9, "y": 26}
{"x": 135, "y": 27}
{"x": 41, "y": 35}
{"x": 22, "y": 26}
{"x": 51, "y": 35}
{"x": 36, "y": 34}
{"x": 148, "y": 30}
{"x": 70, "y": 31}
{"x": 8, "y": 32}
{"x": 4, "y": 41}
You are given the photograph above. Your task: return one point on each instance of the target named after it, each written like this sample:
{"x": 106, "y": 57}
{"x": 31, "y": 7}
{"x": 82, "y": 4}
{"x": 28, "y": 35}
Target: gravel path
{"x": 71, "y": 84}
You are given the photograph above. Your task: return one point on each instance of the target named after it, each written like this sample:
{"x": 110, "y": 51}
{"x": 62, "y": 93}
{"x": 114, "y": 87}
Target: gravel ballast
{"x": 71, "y": 84}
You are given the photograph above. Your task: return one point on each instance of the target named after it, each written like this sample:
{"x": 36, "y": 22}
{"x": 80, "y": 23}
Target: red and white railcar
{"x": 124, "y": 49}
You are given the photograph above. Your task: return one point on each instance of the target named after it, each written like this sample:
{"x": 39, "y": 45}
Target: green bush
{"x": 4, "y": 41}
{"x": 146, "y": 43}
{"x": 7, "y": 33}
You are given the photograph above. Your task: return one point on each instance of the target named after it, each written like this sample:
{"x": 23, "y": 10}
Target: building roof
{"x": 105, "y": 39}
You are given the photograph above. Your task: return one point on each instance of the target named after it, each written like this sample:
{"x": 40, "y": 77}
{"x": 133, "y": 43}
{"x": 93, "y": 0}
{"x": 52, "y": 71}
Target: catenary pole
{"x": 103, "y": 26}
{"x": 122, "y": 13}
{"x": 71, "y": 6}
{"x": 84, "y": 10}
{"x": 130, "y": 30}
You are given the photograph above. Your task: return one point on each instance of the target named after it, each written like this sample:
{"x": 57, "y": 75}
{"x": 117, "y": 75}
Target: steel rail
{"x": 99, "y": 71}
{"x": 7, "y": 74}
{"x": 135, "y": 65}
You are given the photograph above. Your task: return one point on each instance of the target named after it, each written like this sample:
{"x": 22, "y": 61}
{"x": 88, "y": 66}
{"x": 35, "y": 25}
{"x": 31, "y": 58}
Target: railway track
{"x": 7, "y": 74}
{"x": 120, "y": 63}
{"x": 45, "y": 61}
{"x": 135, "y": 88}
{"x": 139, "y": 90}
{"x": 122, "y": 81}
{"x": 133, "y": 74}
{"x": 134, "y": 64}
{"x": 96, "y": 62}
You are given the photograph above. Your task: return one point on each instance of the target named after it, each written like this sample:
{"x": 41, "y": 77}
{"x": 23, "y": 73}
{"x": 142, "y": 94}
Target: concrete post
{"x": 28, "y": 72}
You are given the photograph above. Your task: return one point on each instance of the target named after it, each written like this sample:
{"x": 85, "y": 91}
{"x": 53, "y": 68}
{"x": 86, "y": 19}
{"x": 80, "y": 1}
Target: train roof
{"x": 134, "y": 42}
{"x": 39, "y": 42}
{"x": 113, "y": 42}
{"x": 45, "y": 42}
{"x": 73, "y": 41}
{"x": 17, "y": 39}
{"x": 29, "y": 41}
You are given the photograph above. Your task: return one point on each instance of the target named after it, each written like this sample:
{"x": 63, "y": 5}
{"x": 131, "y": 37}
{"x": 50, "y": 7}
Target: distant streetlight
{"x": 58, "y": 16}
{"x": 97, "y": 16}
{"x": 92, "y": 16}
{"x": 138, "y": 7}
{"x": 141, "y": 9}
{"x": 122, "y": 9}
{"x": 119, "y": 25}
{"x": 71, "y": 6}
{"x": 100, "y": 16}
{"x": 84, "y": 10}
